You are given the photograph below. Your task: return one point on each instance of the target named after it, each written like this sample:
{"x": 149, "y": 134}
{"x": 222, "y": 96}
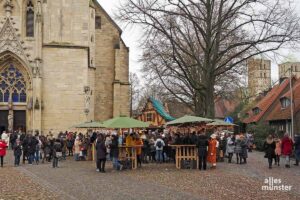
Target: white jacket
{"x": 162, "y": 146}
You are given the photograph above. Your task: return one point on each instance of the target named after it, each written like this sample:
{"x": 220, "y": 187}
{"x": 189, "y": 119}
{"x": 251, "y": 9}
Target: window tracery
{"x": 12, "y": 80}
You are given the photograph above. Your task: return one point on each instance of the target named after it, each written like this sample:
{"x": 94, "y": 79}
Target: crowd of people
{"x": 275, "y": 148}
{"x": 150, "y": 147}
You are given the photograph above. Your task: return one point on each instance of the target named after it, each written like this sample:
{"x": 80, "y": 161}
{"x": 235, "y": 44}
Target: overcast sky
{"x": 131, "y": 36}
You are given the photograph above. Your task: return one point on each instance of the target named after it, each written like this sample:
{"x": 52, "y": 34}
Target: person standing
{"x": 269, "y": 147}
{"x": 5, "y": 137}
{"x": 13, "y": 139}
{"x": 213, "y": 145}
{"x": 57, "y": 147}
{"x": 238, "y": 150}
{"x": 277, "y": 151}
{"x": 101, "y": 153}
{"x": 222, "y": 147}
{"x": 139, "y": 143}
{"x": 17, "y": 152}
{"x": 114, "y": 151}
{"x": 3, "y": 146}
{"x": 244, "y": 145}
{"x": 202, "y": 144}
{"x": 230, "y": 147}
{"x": 287, "y": 149}
{"x": 159, "y": 146}
{"x": 70, "y": 144}
{"x": 297, "y": 149}
{"x": 24, "y": 142}
{"x": 77, "y": 148}
{"x": 38, "y": 146}
{"x": 32, "y": 142}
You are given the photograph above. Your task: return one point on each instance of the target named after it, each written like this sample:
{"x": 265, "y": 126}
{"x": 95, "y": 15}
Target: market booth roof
{"x": 92, "y": 124}
{"x": 220, "y": 123}
{"x": 124, "y": 122}
{"x": 189, "y": 119}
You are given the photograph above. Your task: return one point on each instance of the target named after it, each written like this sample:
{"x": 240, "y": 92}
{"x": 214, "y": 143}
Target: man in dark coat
{"x": 101, "y": 153}
{"x": 32, "y": 142}
{"x": 24, "y": 142}
{"x": 114, "y": 151}
{"x": 202, "y": 144}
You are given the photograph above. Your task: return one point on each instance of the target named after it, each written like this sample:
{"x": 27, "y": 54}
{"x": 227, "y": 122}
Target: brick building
{"x": 280, "y": 117}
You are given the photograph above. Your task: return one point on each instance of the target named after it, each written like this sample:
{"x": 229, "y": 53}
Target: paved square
{"x": 79, "y": 180}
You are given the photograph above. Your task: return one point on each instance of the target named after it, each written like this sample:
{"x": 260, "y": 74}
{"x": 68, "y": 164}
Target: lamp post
{"x": 292, "y": 103}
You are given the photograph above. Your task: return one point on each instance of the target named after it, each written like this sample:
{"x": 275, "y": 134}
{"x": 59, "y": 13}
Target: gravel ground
{"x": 79, "y": 180}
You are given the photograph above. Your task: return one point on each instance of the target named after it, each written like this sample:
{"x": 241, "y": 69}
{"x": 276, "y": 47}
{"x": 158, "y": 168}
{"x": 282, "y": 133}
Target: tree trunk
{"x": 199, "y": 105}
{"x": 208, "y": 97}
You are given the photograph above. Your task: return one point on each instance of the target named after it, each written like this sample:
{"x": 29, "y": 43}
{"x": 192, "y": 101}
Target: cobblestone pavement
{"x": 79, "y": 180}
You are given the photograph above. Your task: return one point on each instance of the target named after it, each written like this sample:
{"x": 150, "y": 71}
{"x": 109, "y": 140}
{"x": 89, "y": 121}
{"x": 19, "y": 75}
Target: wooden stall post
{"x": 186, "y": 153}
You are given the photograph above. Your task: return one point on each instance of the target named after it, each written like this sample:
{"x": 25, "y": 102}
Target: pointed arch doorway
{"x": 14, "y": 94}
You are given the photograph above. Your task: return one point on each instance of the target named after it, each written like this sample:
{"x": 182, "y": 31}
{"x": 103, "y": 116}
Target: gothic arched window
{"x": 30, "y": 19}
{"x": 12, "y": 80}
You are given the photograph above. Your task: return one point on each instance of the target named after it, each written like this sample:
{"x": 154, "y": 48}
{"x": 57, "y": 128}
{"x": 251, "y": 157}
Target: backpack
{"x": 159, "y": 144}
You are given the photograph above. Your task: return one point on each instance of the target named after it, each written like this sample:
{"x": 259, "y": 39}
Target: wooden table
{"x": 185, "y": 152}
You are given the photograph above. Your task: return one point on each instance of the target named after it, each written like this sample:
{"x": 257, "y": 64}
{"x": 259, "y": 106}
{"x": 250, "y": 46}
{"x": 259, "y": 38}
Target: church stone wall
{"x": 64, "y": 77}
{"x": 105, "y": 40}
{"x": 66, "y": 22}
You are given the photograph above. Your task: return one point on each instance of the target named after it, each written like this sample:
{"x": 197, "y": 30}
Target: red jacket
{"x": 287, "y": 146}
{"x": 3, "y": 147}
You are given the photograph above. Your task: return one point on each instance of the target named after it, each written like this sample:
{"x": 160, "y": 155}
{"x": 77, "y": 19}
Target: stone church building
{"x": 62, "y": 62}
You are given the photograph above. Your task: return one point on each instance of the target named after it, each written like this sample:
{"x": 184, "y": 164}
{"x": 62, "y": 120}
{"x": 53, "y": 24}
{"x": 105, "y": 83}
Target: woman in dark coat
{"x": 101, "y": 154}
{"x": 244, "y": 149}
{"x": 238, "y": 150}
{"x": 202, "y": 144}
{"x": 269, "y": 147}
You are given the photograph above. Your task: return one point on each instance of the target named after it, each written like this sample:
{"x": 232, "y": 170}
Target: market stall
{"x": 186, "y": 156}
{"x": 127, "y": 153}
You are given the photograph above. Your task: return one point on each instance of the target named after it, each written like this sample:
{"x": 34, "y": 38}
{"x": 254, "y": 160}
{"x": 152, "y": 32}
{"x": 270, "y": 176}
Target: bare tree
{"x": 190, "y": 45}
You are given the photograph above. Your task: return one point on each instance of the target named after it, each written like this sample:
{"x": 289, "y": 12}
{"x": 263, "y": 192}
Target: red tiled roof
{"x": 280, "y": 113}
{"x": 266, "y": 102}
{"x": 223, "y": 107}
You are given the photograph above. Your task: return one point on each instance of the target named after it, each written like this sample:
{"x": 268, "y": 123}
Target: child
{"x": 3, "y": 147}
{"x": 277, "y": 151}
{"x": 17, "y": 152}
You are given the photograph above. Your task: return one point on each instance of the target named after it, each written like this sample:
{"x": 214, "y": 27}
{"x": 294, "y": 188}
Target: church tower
{"x": 259, "y": 76}
{"x": 61, "y": 63}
